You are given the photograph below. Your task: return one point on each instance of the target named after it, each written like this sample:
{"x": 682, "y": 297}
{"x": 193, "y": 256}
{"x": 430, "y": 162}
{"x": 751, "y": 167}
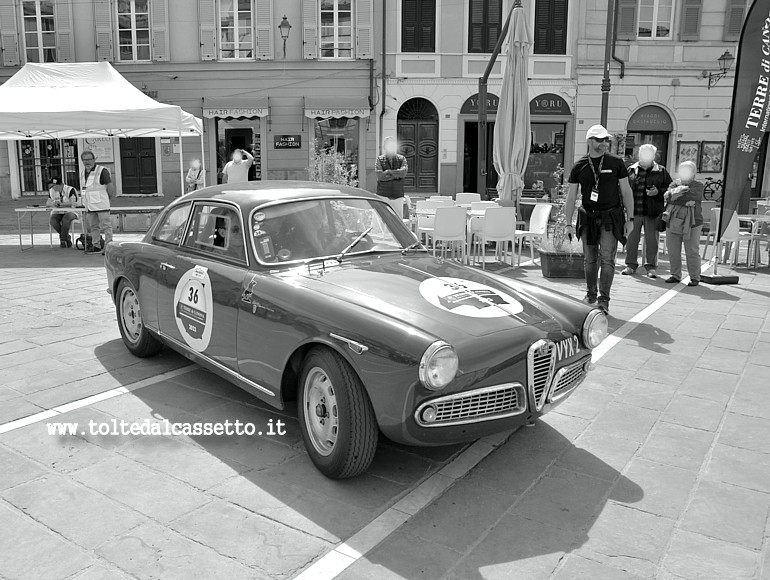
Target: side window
{"x": 216, "y": 229}
{"x": 172, "y": 227}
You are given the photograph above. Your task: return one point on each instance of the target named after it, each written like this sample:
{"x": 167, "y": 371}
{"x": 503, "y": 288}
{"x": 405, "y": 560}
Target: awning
{"x": 235, "y": 107}
{"x": 336, "y": 107}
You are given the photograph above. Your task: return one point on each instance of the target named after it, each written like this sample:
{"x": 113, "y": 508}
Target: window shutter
{"x": 476, "y": 26}
{"x": 159, "y": 29}
{"x": 265, "y": 30}
{"x": 734, "y": 19}
{"x": 103, "y": 26}
{"x": 364, "y": 14}
{"x": 409, "y": 24}
{"x": 559, "y": 27}
{"x": 310, "y": 28}
{"x": 9, "y": 36}
{"x": 691, "y": 15}
{"x": 207, "y": 17}
{"x": 64, "y": 39}
{"x": 494, "y": 23}
{"x": 627, "y": 12}
{"x": 427, "y": 26}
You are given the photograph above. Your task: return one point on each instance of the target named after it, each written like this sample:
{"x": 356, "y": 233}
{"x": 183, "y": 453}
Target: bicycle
{"x": 713, "y": 189}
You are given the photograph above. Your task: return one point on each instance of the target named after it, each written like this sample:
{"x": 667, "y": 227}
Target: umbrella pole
{"x": 203, "y": 160}
{"x": 181, "y": 162}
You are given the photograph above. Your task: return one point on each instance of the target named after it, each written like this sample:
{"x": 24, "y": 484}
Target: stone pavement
{"x": 655, "y": 468}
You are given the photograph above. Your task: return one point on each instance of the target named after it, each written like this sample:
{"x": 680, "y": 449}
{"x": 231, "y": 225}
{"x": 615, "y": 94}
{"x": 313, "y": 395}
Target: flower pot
{"x": 561, "y": 265}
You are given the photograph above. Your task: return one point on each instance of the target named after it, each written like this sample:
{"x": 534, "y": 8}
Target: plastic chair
{"x": 712, "y": 230}
{"x": 538, "y": 227}
{"x": 449, "y": 226}
{"x": 483, "y": 205}
{"x": 426, "y": 217}
{"x": 467, "y": 198}
{"x": 442, "y": 200}
{"x": 731, "y": 236}
{"x": 499, "y": 225}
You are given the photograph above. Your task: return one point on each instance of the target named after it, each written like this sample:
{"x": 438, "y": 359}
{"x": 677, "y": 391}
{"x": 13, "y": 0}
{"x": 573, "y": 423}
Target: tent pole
{"x": 203, "y": 160}
{"x": 181, "y": 162}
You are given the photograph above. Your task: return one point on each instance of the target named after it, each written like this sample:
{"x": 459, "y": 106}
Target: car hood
{"x": 429, "y": 294}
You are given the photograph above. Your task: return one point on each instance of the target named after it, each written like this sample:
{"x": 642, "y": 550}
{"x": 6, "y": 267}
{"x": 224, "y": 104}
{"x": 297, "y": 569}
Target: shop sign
{"x": 549, "y": 104}
{"x": 650, "y": 118}
{"x": 332, "y": 113}
{"x": 287, "y": 141}
{"x": 471, "y": 105}
{"x": 102, "y": 148}
{"x": 225, "y": 112}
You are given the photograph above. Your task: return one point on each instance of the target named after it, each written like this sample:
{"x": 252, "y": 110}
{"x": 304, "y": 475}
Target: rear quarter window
{"x": 171, "y": 229}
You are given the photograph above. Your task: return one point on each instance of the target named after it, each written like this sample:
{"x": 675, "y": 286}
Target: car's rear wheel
{"x": 335, "y": 416}
{"x": 136, "y": 337}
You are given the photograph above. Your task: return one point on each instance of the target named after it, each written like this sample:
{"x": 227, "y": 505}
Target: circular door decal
{"x": 468, "y": 298}
{"x": 194, "y": 308}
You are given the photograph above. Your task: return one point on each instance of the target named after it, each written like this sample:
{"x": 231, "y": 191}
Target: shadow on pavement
{"x": 650, "y": 337}
{"x": 537, "y": 492}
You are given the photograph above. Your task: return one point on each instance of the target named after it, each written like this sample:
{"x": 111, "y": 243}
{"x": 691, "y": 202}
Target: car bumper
{"x": 477, "y": 412}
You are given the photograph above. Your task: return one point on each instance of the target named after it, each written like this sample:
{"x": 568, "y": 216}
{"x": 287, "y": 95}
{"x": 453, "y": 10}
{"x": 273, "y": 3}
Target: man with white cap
{"x": 649, "y": 182}
{"x": 601, "y": 179}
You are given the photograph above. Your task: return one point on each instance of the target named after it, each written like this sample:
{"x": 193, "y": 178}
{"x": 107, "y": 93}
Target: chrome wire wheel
{"x": 321, "y": 412}
{"x": 130, "y": 315}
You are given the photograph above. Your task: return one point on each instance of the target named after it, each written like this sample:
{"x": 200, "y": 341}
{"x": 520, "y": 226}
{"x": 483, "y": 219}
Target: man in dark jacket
{"x": 649, "y": 182}
{"x": 390, "y": 170}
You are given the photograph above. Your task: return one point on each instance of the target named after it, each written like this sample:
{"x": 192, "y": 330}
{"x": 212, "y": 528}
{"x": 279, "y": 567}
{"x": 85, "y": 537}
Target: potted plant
{"x": 330, "y": 166}
{"x": 560, "y": 256}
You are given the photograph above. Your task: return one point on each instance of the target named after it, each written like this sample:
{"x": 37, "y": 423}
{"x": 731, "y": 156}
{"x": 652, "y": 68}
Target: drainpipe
{"x": 606, "y": 83}
{"x": 615, "y": 42}
{"x": 384, "y": 76}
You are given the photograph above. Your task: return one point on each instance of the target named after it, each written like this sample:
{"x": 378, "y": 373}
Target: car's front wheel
{"x": 336, "y": 416}
{"x": 136, "y": 337}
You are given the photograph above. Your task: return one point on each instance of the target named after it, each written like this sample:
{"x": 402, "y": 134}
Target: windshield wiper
{"x": 414, "y": 246}
{"x": 354, "y": 243}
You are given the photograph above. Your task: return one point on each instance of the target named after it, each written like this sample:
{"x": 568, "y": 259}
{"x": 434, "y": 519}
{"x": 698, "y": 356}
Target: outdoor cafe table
{"x": 32, "y": 210}
{"x": 756, "y": 222}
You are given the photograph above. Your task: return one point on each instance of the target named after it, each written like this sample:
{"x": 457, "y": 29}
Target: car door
{"x": 201, "y": 284}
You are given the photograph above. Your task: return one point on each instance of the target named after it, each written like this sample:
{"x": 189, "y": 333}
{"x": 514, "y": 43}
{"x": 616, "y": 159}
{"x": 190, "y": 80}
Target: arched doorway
{"x": 650, "y": 124}
{"x": 418, "y": 139}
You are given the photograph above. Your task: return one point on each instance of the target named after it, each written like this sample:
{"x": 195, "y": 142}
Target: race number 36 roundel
{"x": 468, "y": 298}
{"x": 194, "y": 308}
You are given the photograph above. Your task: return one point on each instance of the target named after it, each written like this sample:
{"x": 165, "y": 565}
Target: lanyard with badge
{"x": 597, "y": 176}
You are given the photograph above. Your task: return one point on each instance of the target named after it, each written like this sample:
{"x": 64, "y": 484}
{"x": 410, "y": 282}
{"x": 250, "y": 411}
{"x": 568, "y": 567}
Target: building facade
{"x": 661, "y": 93}
{"x": 435, "y": 53}
{"x": 226, "y": 61}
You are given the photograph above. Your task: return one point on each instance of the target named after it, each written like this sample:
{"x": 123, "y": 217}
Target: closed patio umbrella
{"x": 512, "y": 138}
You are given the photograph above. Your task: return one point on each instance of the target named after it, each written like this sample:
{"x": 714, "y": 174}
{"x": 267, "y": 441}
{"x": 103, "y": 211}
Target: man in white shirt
{"x": 237, "y": 170}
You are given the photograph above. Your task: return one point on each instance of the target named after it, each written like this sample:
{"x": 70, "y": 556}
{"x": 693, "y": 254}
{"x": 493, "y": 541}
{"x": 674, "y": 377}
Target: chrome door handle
{"x": 165, "y": 266}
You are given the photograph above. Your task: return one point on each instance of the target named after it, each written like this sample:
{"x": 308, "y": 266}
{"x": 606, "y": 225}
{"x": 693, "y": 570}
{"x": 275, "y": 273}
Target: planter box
{"x": 558, "y": 265}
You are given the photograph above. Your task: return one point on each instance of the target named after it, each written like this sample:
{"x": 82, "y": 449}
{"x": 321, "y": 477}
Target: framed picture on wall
{"x": 711, "y": 155}
{"x": 688, "y": 151}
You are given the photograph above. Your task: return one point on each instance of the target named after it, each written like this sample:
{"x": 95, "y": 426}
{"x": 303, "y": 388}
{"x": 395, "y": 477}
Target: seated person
{"x": 62, "y": 195}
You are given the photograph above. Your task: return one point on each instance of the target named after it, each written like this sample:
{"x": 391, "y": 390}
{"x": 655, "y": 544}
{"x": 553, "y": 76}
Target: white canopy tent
{"x": 90, "y": 99}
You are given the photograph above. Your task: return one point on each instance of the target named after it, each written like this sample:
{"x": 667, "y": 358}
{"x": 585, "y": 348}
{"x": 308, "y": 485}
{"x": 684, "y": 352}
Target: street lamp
{"x": 725, "y": 64}
{"x": 284, "y": 27}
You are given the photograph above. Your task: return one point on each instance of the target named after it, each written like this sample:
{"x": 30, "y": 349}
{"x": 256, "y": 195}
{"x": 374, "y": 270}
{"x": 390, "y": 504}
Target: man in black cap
{"x": 62, "y": 195}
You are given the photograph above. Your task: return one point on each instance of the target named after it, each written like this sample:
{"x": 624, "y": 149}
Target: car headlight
{"x": 594, "y": 329}
{"x": 438, "y": 366}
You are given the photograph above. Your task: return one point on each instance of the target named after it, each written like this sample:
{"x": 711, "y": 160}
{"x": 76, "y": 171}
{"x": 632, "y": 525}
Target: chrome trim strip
{"x": 356, "y": 347}
{"x": 521, "y": 394}
{"x": 219, "y": 365}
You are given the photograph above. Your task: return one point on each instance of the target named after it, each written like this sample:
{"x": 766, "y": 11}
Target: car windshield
{"x": 324, "y": 228}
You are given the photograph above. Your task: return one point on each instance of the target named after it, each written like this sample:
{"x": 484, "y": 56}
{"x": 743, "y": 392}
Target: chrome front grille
{"x": 568, "y": 378}
{"x": 541, "y": 359}
{"x": 471, "y": 406}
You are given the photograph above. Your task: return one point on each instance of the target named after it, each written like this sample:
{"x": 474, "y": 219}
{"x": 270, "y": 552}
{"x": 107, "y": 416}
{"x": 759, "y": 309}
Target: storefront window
{"x": 42, "y": 160}
{"x": 546, "y": 154}
{"x": 339, "y": 135}
{"x": 235, "y": 134}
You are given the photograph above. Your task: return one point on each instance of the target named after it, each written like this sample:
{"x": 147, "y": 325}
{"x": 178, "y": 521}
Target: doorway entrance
{"x": 649, "y": 124}
{"x": 418, "y": 139}
{"x": 471, "y": 158}
{"x": 635, "y": 140}
{"x": 138, "y": 172}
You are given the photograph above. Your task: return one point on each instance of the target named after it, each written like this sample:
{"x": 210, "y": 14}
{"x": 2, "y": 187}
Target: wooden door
{"x": 419, "y": 144}
{"x": 137, "y": 165}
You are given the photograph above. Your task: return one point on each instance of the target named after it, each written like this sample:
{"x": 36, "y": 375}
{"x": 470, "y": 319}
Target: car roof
{"x": 251, "y": 194}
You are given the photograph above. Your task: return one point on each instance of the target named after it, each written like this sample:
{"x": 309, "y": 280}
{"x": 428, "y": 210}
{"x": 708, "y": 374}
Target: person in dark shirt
{"x": 601, "y": 179}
